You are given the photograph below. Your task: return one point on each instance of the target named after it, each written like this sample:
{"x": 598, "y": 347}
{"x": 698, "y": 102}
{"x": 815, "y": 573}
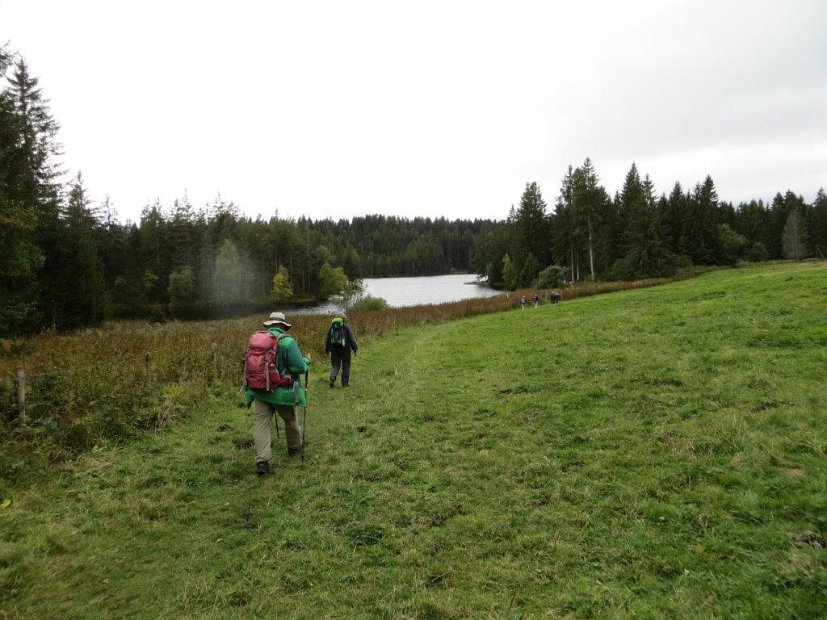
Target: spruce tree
{"x": 645, "y": 249}
{"x": 700, "y": 226}
{"x": 38, "y": 133}
{"x": 673, "y": 217}
{"x": 817, "y": 226}
{"x": 751, "y": 221}
{"x": 529, "y": 271}
{"x": 589, "y": 213}
{"x": 530, "y": 227}
{"x": 79, "y": 295}
{"x": 564, "y": 237}
{"x": 37, "y": 187}
{"x": 20, "y": 257}
{"x": 511, "y": 276}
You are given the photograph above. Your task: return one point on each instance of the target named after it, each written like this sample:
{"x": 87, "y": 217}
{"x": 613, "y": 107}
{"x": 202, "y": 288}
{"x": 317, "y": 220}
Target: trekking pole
{"x": 304, "y": 414}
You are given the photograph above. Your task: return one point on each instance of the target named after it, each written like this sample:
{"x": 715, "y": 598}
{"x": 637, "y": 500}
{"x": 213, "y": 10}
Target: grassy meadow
{"x": 128, "y": 377}
{"x": 647, "y": 453}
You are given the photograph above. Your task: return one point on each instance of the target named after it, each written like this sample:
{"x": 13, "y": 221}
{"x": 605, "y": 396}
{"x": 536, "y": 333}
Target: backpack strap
{"x": 279, "y": 338}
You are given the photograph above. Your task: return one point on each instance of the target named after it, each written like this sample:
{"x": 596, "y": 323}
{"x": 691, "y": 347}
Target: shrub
{"x": 550, "y": 277}
{"x": 367, "y": 304}
{"x": 757, "y": 253}
{"x": 730, "y": 245}
{"x": 157, "y": 316}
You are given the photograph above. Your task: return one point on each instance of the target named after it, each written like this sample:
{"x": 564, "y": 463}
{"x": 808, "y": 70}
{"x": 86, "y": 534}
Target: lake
{"x": 427, "y": 290}
{"x": 415, "y": 291}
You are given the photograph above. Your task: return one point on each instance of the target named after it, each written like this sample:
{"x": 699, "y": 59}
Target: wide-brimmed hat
{"x": 277, "y": 318}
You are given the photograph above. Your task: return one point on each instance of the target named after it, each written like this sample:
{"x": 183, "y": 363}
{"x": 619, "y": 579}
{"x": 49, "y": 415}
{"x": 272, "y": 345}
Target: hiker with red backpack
{"x": 339, "y": 342}
{"x": 272, "y": 367}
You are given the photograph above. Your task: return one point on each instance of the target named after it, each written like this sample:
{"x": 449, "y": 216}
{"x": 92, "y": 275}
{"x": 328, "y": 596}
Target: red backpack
{"x": 259, "y": 363}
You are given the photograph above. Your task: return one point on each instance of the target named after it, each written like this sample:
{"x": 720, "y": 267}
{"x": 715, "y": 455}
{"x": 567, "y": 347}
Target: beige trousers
{"x": 261, "y": 428}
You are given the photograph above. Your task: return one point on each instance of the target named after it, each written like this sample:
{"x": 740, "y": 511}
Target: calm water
{"x": 400, "y": 292}
{"x": 426, "y": 290}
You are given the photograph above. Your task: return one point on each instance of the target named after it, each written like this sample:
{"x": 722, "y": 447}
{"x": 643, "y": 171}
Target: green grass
{"x": 651, "y": 453}
{"x": 124, "y": 378}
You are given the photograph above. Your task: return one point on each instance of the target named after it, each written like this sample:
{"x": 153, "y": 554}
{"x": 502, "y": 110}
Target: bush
{"x": 157, "y": 316}
{"x": 730, "y": 245}
{"x": 757, "y": 253}
{"x": 550, "y": 277}
{"x": 368, "y": 303}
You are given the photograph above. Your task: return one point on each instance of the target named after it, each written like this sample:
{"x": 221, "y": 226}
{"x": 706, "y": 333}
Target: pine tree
{"x": 181, "y": 235}
{"x": 673, "y": 216}
{"x": 38, "y": 131}
{"x": 564, "y": 234}
{"x": 153, "y": 250}
{"x": 529, "y": 272}
{"x": 645, "y": 250}
{"x": 530, "y": 227}
{"x": 37, "y": 188}
{"x": 751, "y": 221}
{"x": 511, "y": 277}
{"x": 20, "y": 257}
{"x": 700, "y": 226}
{"x": 817, "y": 225}
{"x": 589, "y": 212}
{"x": 79, "y": 295}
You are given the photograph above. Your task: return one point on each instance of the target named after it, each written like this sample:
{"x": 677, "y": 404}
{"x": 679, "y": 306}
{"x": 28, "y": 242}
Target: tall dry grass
{"x": 129, "y": 377}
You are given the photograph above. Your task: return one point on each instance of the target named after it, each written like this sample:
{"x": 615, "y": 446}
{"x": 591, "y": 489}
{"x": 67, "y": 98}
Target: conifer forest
{"x": 67, "y": 261}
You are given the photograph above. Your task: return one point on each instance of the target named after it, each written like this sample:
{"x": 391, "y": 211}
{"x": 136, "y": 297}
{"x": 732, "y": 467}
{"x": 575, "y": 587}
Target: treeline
{"x": 198, "y": 262}
{"x": 66, "y": 262}
{"x": 637, "y": 234}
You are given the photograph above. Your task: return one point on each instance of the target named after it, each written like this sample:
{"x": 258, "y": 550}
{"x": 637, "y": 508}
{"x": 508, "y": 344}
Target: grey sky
{"x": 336, "y": 109}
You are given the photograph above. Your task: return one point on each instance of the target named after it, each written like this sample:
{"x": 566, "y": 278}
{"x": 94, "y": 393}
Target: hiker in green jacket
{"x": 281, "y": 400}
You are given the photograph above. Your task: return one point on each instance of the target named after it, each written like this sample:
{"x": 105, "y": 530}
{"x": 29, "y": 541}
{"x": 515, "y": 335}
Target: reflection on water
{"x": 399, "y": 292}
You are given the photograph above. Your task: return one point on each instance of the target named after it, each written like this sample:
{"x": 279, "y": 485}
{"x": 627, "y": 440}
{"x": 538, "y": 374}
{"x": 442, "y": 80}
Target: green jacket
{"x": 289, "y": 359}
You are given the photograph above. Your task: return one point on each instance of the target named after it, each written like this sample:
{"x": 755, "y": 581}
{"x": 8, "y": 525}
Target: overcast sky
{"x": 336, "y": 108}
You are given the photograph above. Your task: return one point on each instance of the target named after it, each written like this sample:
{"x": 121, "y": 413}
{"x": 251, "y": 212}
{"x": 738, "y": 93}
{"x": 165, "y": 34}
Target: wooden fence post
{"x": 214, "y": 355}
{"x": 20, "y": 382}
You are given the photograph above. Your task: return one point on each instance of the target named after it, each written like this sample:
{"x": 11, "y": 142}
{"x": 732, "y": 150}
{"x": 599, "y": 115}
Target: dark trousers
{"x": 340, "y": 358}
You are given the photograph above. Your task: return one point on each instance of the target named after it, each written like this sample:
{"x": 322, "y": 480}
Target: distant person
{"x": 556, "y": 297}
{"x": 536, "y": 300}
{"x": 273, "y": 365}
{"x": 522, "y": 302}
{"x": 339, "y": 343}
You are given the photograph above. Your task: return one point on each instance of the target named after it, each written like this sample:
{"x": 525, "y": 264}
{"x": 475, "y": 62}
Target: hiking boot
{"x": 262, "y": 468}
{"x": 346, "y": 385}
{"x": 332, "y": 384}
{"x": 295, "y": 451}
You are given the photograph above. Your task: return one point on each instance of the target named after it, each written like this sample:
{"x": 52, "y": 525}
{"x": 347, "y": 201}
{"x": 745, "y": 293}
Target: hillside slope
{"x": 656, "y": 453}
